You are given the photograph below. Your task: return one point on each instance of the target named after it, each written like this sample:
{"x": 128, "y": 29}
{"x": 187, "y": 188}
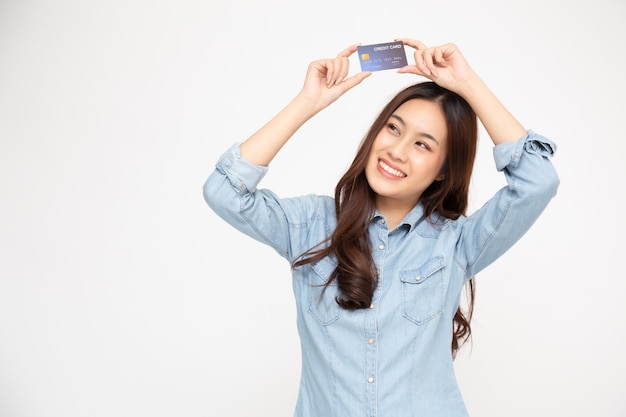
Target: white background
{"x": 122, "y": 294}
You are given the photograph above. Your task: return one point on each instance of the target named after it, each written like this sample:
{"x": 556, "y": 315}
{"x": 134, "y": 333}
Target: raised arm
{"x": 446, "y": 66}
{"x": 325, "y": 82}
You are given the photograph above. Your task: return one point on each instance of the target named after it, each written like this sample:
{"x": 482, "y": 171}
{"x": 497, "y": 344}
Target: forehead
{"x": 419, "y": 109}
{"x": 423, "y": 116}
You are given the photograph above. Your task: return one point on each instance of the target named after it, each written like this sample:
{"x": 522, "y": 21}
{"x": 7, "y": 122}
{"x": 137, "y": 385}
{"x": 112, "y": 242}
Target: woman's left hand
{"x": 442, "y": 64}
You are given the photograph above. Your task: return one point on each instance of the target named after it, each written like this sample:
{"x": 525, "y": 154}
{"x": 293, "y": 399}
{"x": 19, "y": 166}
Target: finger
{"x": 337, "y": 71}
{"x": 330, "y": 71}
{"x": 421, "y": 62}
{"x": 318, "y": 69}
{"x": 427, "y": 55}
{"x": 413, "y": 43}
{"x": 438, "y": 58}
{"x": 344, "y": 67}
{"x": 354, "y": 80}
{"x": 409, "y": 69}
{"x": 348, "y": 51}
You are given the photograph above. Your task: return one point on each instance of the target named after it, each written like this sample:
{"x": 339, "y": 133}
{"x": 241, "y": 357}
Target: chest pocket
{"x": 423, "y": 291}
{"x": 321, "y": 300}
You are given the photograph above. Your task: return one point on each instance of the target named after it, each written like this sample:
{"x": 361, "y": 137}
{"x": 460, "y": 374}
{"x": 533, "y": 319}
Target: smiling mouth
{"x": 390, "y": 170}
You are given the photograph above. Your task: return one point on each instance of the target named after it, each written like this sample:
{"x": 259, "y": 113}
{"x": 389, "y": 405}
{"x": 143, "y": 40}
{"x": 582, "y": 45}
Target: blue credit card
{"x": 382, "y": 56}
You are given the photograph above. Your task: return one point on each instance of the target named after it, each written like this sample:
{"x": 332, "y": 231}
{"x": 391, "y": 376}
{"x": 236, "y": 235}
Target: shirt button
{"x": 377, "y": 272}
{"x": 370, "y": 379}
{"x": 371, "y": 305}
{"x": 418, "y": 278}
{"x": 381, "y": 247}
{"x": 370, "y": 340}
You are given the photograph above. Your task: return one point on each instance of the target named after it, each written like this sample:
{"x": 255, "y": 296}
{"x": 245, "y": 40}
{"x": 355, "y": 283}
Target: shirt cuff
{"x": 241, "y": 173}
{"x": 508, "y": 154}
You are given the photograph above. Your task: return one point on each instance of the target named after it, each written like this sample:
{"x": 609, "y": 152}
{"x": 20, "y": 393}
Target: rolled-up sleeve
{"x": 532, "y": 182}
{"x": 509, "y": 154}
{"x": 231, "y": 187}
{"x": 284, "y": 224}
{"x": 240, "y": 173}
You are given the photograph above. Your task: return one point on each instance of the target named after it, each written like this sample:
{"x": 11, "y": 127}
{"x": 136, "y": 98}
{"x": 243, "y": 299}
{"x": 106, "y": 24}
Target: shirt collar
{"x": 412, "y": 219}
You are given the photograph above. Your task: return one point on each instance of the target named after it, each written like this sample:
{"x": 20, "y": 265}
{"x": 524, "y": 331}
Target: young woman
{"x": 379, "y": 270}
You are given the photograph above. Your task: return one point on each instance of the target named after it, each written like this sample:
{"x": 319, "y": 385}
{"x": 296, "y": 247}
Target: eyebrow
{"x": 422, "y": 134}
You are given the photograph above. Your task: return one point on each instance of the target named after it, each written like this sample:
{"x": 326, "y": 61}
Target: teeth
{"x": 392, "y": 171}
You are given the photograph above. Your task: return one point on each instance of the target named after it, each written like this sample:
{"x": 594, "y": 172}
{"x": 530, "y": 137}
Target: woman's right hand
{"x": 326, "y": 79}
{"x": 325, "y": 82}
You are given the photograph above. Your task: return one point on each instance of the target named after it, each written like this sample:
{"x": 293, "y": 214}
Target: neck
{"x": 394, "y": 212}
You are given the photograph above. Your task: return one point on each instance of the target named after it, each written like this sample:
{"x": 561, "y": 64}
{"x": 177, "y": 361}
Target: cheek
{"x": 441, "y": 161}
{"x": 440, "y": 169}
{"x": 429, "y": 166}
{"x": 375, "y": 149}
{"x": 382, "y": 140}
{"x": 370, "y": 167}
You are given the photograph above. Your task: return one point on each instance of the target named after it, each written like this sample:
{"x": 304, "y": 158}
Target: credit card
{"x": 382, "y": 56}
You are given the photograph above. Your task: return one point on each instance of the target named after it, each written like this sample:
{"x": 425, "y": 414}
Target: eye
{"x": 422, "y": 145}
{"x": 393, "y": 128}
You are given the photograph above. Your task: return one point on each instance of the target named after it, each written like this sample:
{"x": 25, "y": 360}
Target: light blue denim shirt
{"x": 393, "y": 359}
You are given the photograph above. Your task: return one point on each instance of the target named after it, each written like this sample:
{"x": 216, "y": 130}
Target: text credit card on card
{"x": 382, "y": 56}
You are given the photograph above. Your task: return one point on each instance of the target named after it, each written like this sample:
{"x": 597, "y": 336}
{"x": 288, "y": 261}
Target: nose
{"x": 398, "y": 150}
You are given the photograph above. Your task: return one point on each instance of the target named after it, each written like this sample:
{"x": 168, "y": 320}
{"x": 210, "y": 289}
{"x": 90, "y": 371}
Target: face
{"x": 407, "y": 155}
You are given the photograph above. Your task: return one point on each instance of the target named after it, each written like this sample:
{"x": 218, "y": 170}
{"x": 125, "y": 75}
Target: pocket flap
{"x": 421, "y": 274}
{"x": 323, "y": 269}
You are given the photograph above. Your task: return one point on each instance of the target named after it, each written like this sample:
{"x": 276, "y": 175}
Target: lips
{"x": 388, "y": 169}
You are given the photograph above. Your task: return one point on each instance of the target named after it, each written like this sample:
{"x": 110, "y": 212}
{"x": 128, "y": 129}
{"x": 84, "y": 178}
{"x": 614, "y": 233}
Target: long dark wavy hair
{"x": 355, "y": 203}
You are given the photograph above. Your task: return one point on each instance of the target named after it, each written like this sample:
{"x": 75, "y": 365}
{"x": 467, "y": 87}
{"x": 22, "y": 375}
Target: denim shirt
{"x": 394, "y": 358}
